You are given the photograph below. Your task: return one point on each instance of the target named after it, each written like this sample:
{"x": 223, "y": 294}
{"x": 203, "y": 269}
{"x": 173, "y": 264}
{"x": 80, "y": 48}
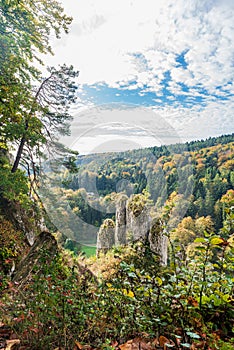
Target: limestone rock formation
{"x": 137, "y": 224}
{"x": 158, "y": 240}
{"x": 106, "y": 236}
{"x": 120, "y": 224}
{"x": 133, "y": 223}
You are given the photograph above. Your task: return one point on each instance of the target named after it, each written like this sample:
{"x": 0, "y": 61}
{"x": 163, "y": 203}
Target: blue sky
{"x": 173, "y": 57}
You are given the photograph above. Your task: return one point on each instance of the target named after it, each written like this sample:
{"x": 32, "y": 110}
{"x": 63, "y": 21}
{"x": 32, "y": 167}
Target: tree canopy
{"x": 34, "y": 110}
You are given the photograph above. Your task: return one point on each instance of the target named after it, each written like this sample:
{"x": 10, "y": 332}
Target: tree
{"x": 47, "y": 115}
{"x": 185, "y": 231}
{"x": 25, "y": 30}
{"x": 34, "y": 110}
{"x": 189, "y": 228}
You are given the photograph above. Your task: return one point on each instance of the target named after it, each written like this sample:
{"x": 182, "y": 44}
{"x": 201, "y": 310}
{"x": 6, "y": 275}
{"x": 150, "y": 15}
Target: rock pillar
{"x": 158, "y": 240}
{"x": 120, "y": 223}
{"x": 106, "y": 236}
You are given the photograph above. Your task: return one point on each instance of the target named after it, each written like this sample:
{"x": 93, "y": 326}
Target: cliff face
{"x": 43, "y": 251}
{"x": 133, "y": 223}
{"x": 106, "y": 236}
{"x": 137, "y": 224}
{"x": 158, "y": 240}
{"x": 121, "y": 221}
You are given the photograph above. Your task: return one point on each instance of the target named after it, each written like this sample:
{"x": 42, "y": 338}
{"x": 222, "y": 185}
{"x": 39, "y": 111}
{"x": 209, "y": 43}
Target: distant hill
{"x": 159, "y": 150}
{"x": 201, "y": 171}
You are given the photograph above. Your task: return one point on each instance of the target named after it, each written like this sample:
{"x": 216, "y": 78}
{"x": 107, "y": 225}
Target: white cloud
{"x": 131, "y": 41}
{"x": 104, "y": 128}
{"x": 213, "y": 119}
{"x": 106, "y": 35}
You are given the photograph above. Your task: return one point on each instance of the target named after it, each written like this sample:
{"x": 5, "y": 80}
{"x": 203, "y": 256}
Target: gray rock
{"x": 158, "y": 240}
{"x": 138, "y": 225}
{"x": 133, "y": 223}
{"x": 106, "y": 236}
{"x": 45, "y": 248}
{"x": 138, "y": 218}
{"x": 120, "y": 223}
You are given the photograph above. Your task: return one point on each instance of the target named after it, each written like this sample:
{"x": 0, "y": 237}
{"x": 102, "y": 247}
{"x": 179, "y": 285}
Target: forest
{"x": 199, "y": 174}
{"x": 55, "y": 292}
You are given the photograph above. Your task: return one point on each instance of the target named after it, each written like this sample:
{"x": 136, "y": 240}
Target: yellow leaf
{"x": 131, "y": 294}
{"x": 216, "y": 240}
{"x": 159, "y": 281}
{"x": 128, "y": 293}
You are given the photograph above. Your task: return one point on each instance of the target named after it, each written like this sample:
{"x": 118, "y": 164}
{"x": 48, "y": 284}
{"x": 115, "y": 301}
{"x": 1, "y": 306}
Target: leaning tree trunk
{"x": 19, "y": 155}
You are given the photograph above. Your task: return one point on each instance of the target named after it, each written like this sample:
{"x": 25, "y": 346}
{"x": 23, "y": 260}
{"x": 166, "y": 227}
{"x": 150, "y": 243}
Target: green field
{"x": 88, "y": 250}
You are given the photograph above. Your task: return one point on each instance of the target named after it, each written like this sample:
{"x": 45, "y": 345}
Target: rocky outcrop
{"x": 158, "y": 240}
{"x": 133, "y": 223}
{"x": 120, "y": 223}
{"x": 106, "y": 236}
{"x": 44, "y": 249}
{"x": 40, "y": 257}
{"x": 137, "y": 224}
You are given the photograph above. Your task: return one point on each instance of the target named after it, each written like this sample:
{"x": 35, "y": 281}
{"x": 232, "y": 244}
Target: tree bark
{"x": 19, "y": 155}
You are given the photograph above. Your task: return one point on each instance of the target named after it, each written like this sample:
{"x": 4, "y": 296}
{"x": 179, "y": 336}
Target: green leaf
{"x": 185, "y": 345}
{"x": 226, "y": 297}
{"x": 216, "y": 240}
{"x": 200, "y": 240}
{"x": 132, "y": 274}
{"x": 217, "y": 301}
{"x": 206, "y": 234}
{"x": 193, "y": 335}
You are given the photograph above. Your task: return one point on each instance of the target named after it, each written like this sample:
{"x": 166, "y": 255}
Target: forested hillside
{"x": 206, "y": 167}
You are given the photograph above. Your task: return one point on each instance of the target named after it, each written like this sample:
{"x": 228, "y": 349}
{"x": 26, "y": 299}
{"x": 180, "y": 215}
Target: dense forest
{"x": 200, "y": 173}
{"x": 52, "y": 295}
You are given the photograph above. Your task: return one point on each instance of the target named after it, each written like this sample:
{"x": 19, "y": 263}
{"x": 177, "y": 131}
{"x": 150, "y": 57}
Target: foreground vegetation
{"x": 128, "y": 295}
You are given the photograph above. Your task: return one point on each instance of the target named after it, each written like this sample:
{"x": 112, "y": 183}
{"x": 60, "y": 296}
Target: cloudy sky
{"x": 171, "y": 57}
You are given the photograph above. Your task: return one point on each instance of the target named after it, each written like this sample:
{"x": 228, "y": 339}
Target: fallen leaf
{"x": 192, "y": 301}
{"x": 86, "y": 347}
{"x": 11, "y": 343}
{"x": 127, "y": 345}
{"x": 34, "y": 329}
{"x": 114, "y": 344}
{"x": 79, "y": 346}
{"x": 136, "y": 344}
{"x": 155, "y": 343}
{"x": 163, "y": 340}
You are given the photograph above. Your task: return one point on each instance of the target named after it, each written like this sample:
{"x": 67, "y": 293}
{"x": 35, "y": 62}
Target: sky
{"x": 148, "y": 65}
